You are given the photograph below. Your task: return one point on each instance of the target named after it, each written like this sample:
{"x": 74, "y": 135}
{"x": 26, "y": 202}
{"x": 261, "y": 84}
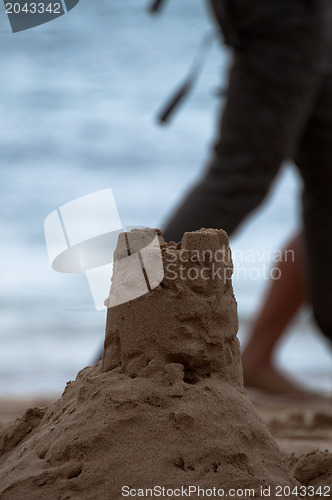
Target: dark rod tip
{"x": 156, "y": 6}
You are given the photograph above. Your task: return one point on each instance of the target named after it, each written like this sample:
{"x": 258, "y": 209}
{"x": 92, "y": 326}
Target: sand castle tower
{"x": 190, "y": 319}
{"x": 166, "y": 406}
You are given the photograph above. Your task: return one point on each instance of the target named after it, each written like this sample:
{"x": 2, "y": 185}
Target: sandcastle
{"x": 165, "y": 408}
{"x": 189, "y": 319}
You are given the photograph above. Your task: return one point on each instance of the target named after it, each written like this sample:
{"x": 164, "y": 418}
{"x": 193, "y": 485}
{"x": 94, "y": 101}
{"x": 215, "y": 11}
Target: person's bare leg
{"x": 284, "y": 299}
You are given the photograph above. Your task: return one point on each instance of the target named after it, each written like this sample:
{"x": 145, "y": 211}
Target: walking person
{"x": 279, "y": 107}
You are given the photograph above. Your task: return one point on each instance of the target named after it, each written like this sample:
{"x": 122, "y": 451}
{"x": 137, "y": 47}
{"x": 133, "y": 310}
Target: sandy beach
{"x": 300, "y": 430}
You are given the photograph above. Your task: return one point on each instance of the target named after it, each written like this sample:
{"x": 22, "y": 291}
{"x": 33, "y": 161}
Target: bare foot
{"x": 266, "y": 378}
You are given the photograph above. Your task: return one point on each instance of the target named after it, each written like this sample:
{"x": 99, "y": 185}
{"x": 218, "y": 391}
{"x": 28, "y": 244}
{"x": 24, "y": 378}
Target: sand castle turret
{"x": 190, "y": 318}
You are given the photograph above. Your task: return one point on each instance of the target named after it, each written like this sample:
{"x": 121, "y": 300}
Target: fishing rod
{"x": 182, "y": 91}
{"x": 187, "y": 85}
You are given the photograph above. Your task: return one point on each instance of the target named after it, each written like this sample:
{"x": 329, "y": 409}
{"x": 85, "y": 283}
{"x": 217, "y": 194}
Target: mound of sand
{"x": 313, "y": 469}
{"x": 165, "y": 407}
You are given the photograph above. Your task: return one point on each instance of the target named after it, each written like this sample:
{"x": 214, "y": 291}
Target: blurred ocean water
{"x": 78, "y": 102}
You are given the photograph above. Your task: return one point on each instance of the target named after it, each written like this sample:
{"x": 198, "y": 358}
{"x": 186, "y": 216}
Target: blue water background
{"x": 78, "y": 102}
